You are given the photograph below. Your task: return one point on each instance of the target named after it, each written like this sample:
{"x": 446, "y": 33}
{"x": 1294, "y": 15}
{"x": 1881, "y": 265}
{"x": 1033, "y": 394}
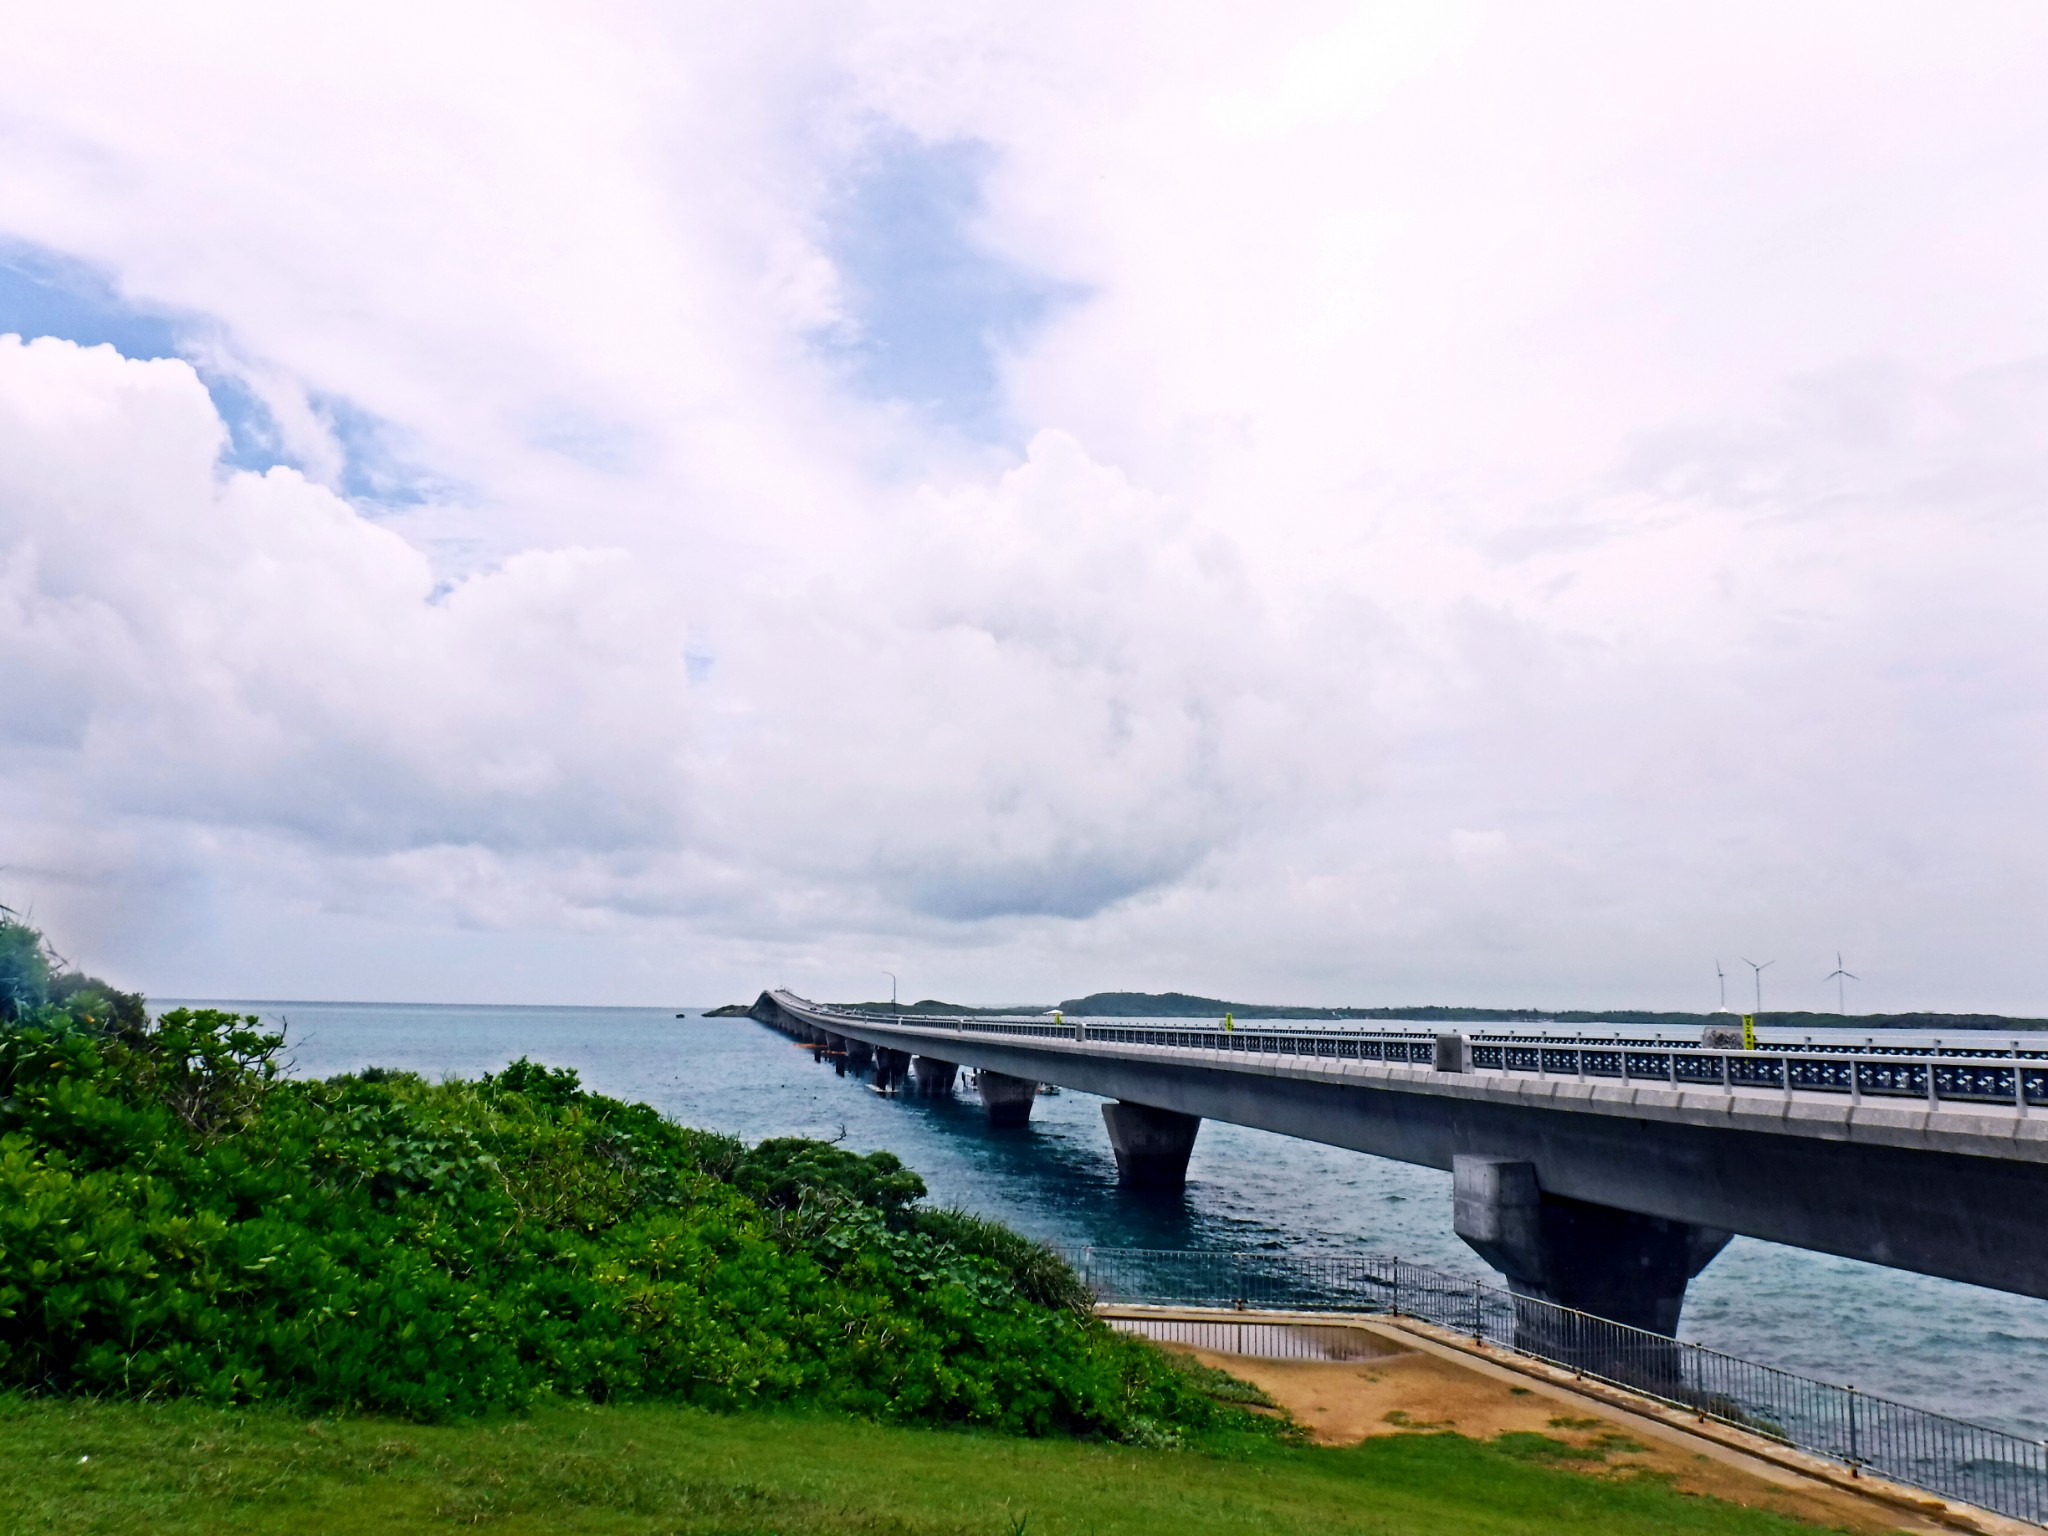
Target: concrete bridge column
{"x": 1611, "y": 1263}
{"x": 859, "y": 1055}
{"x": 934, "y": 1078}
{"x": 1007, "y": 1099}
{"x": 1151, "y": 1145}
{"x": 891, "y": 1068}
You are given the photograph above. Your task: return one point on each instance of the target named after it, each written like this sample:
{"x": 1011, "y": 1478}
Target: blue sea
{"x": 1977, "y": 1354}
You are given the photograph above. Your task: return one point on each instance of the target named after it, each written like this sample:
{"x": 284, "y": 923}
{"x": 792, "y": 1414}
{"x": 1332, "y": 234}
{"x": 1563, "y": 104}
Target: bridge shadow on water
{"x": 1056, "y": 1177}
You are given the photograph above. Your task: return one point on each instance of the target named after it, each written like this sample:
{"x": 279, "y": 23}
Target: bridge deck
{"x": 1910, "y": 1117}
{"x": 1931, "y": 1163}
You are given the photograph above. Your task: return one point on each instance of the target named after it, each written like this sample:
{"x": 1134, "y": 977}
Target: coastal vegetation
{"x": 232, "y": 1299}
{"x": 179, "y": 1218}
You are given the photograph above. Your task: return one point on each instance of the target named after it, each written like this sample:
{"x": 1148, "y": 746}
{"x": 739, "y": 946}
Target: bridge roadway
{"x": 1604, "y": 1188}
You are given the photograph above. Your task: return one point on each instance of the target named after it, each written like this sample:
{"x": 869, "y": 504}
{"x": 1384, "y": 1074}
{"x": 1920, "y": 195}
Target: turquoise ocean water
{"x": 1977, "y": 1354}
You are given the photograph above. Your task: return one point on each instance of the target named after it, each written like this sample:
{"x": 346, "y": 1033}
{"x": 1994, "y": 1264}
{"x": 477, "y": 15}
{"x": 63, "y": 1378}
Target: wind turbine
{"x": 892, "y": 989}
{"x": 1759, "y": 969}
{"x": 1721, "y": 976}
{"x": 1841, "y": 979}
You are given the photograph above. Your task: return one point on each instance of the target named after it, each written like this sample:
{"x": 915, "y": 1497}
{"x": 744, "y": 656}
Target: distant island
{"x": 1184, "y": 1005}
{"x": 1180, "y": 1005}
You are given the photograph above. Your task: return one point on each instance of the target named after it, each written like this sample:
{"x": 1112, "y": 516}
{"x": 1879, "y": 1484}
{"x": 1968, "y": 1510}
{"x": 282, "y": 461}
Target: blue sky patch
{"x": 374, "y": 470}
{"x": 45, "y": 294}
{"x": 608, "y": 447}
{"x": 42, "y": 295}
{"x": 930, "y": 308}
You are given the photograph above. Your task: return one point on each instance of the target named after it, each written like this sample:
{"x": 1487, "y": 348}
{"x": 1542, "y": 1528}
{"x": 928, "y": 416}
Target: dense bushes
{"x": 176, "y": 1218}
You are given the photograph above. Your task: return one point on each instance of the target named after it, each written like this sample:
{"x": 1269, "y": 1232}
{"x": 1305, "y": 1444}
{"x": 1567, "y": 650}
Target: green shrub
{"x": 175, "y": 1218}
{"x": 31, "y": 977}
{"x": 1033, "y": 1268}
{"x": 790, "y": 1172}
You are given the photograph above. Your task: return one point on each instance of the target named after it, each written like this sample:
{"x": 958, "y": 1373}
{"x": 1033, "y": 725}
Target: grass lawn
{"x": 78, "y": 1467}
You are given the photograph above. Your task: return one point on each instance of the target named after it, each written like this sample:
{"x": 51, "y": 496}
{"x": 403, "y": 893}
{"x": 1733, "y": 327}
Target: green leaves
{"x": 33, "y": 979}
{"x": 177, "y": 1219}
{"x": 207, "y": 1067}
{"x": 788, "y": 1172}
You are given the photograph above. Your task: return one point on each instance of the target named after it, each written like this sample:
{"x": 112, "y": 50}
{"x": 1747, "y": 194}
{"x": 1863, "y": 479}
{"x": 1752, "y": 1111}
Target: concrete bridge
{"x": 1597, "y": 1172}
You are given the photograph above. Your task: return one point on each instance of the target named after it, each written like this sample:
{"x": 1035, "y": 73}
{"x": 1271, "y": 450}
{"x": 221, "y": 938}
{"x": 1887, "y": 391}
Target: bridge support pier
{"x": 1007, "y": 1099}
{"x": 859, "y": 1054}
{"x": 1592, "y": 1258}
{"x": 932, "y": 1077}
{"x": 891, "y": 1068}
{"x": 1151, "y": 1145}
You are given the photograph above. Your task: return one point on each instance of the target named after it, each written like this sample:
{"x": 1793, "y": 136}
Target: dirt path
{"x": 1420, "y": 1390}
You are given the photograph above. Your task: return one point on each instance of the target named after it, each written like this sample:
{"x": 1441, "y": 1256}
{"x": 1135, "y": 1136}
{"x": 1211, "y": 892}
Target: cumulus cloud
{"x": 248, "y": 649}
{"x": 1033, "y": 704}
{"x": 1505, "y": 505}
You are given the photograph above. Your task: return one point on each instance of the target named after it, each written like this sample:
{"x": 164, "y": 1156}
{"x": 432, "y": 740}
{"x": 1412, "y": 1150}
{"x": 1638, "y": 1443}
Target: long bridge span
{"x": 1602, "y": 1173}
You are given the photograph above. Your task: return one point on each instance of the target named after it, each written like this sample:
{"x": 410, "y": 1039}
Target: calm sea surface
{"x": 1977, "y": 1354}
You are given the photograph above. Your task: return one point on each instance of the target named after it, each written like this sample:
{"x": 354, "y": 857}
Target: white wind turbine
{"x": 1759, "y": 969}
{"x": 1841, "y": 979}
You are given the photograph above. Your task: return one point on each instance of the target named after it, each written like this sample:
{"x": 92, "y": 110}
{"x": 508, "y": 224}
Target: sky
{"x": 1312, "y": 503}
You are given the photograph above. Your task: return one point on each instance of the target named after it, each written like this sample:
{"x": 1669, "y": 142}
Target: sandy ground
{"x": 1419, "y": 1390}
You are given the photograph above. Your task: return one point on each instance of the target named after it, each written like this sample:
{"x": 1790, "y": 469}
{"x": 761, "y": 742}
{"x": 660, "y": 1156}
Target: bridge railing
{"x": 2013, "y": 1075}
{"x": 1951, "y": 1457}
{"x": 2010, "y": 1075}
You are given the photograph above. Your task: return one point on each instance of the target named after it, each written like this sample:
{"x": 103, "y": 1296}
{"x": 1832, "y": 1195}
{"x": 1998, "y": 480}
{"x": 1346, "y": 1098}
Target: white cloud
{"x": 247, "y": 649}
{"x": 1516, "y": 503}
{"x": 1034, "y": 703}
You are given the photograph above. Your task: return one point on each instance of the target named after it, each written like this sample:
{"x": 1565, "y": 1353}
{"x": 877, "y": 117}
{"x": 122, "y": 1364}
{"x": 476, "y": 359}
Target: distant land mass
{"x": 1184, "y": 1005}
{"x": 1180, "y": 1005}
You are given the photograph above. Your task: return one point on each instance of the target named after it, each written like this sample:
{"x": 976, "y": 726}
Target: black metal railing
{"x": 1951, "y": 1457}
{"x": 1983, "y": 1074}
{"x": 2014, "y": 1074}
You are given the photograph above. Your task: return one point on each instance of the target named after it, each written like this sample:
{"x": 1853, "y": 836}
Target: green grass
{"x": 79, "y": 1467}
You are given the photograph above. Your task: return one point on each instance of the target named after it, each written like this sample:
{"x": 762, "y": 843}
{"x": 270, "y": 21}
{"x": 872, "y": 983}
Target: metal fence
{"x": 2013, "y": 1073}
{"x": 1261, "y": 1341}
{"x": 1986, "y": 1467}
